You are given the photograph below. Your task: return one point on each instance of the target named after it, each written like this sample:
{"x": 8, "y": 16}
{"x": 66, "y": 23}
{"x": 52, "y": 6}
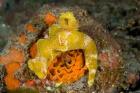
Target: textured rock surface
{"x": 110, "y": 75}
{"x": 121, "y": 17}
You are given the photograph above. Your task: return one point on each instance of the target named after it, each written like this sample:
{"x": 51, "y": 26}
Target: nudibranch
{"x": 64, "y": 38}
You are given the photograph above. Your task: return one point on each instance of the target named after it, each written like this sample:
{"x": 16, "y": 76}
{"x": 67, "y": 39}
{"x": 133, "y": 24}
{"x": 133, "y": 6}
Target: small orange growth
{"x": 33, "y": 50}
{"x": 68, "y": 67}
{"x": 14, "y": 55}
{"x": 22, "y": 39}
{"x": 29, "y": 27}
{"x": 12, "y": 61}
{"x": 12, "y": 67}
{"x": 49, "y": 19}
{"x": 30, "y": 82}
{"x": 10, "y": 80}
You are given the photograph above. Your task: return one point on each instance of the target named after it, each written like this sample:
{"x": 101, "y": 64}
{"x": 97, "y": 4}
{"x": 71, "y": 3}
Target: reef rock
{"x": 109, "y": 75}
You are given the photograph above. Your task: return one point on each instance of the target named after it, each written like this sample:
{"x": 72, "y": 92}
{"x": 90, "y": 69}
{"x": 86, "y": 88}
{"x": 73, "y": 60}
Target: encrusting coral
{"x": 64, "y": 36}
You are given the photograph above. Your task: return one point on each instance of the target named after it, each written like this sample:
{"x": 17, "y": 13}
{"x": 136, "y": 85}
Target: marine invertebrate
{"x": 14, "y": 55}
{"x": 33, "y": 50}
{"x": 30, "y": 82}
{"x": 30, "y": 28}
{"x": 68, "y": 21}
{"x": 22, "y": 38}
{"x": 10, "y": 80}
{"x": 60, "y": 49}
{"x": 49, "y": 19}
{"x": 65, "y": 37}
{"x": 39, "y": 66}
{"x": 67, "y": 67}
{"x": 12, "y": 63}
{"x": 12, "y": 67}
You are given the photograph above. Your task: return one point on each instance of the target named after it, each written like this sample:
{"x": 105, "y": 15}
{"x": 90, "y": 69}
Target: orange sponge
{"x": 68, "y": 67}
{"x": 49, "y": 19}
{"x": 10, "y": 80}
